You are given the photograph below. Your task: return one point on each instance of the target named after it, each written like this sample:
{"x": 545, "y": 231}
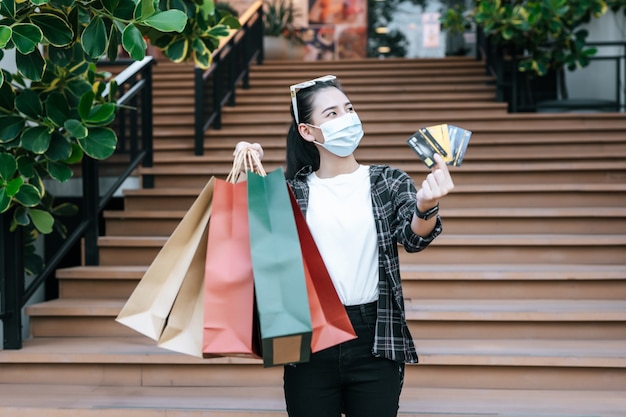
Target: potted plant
{"x": 542, "y": 37}
{"x": 52, "y": 109}
{"x": 281, "y": 38}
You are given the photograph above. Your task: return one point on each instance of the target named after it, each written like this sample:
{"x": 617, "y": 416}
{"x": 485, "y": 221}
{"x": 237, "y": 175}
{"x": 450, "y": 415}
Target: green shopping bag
{"x": 279, "y": 280}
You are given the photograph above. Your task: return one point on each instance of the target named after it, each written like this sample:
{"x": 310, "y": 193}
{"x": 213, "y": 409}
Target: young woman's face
{"x": 329, "y": 104}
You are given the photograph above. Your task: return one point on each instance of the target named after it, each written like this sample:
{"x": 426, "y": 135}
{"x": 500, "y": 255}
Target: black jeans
{"x": 346, "y": 378}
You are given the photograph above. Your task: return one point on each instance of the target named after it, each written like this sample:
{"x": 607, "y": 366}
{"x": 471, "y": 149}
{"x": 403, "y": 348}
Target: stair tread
{"x": 531, "y": 212}
{"x": 484, "y": 166}
{"x": 102, "y": 271}
{"x": 440, "y": 352}
{"x": 246, "y": 401}
{"x": 461, "y": 188}
{"x": 524, "y": 272}
{"x": 476, "y": 240}
{"x": 416, "y": 309}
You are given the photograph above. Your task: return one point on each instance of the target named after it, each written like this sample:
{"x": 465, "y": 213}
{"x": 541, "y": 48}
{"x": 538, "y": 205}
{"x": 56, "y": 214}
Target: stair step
{"x": 434, "y": 281}
{"x": 455, "y": 249}
{"x": 464, "y": 195}
{"x": 88, "y": 401}
{"x": 428, "y": 318}
{"x": 494, "y": 220}
{"x": 500, "y": 172}
{"x": 99, "y": 281}
{"x": 134, "y": 361}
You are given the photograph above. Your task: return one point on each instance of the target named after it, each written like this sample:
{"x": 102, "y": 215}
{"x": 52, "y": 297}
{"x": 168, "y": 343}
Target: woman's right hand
{"x": 254, "y": 146}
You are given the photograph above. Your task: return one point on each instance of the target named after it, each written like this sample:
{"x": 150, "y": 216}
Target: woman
{"x": 358, "y": 215}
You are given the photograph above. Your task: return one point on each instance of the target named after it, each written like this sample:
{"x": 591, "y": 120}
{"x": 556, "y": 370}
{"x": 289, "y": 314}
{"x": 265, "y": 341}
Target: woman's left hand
{"x": 437, "y": 184}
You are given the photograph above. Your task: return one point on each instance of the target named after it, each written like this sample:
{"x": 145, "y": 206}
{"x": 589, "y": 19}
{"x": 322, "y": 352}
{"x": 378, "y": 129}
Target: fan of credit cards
{"x": 449, "y": 141}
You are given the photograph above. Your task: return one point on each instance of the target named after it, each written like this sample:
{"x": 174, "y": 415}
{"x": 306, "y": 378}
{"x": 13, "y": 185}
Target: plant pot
{"x": 281, "y": 48}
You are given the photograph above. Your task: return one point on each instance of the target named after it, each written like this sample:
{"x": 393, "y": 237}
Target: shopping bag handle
{"x": 246, "y": 159}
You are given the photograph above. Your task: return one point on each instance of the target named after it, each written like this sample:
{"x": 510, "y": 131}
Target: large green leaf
{"x": 110, "y": 5}
{"x": 59, "y": 171}
{"x": 202, "y": 55}
{"x": 167, "y": 21}
{"x": 42, "y": 220}
{"x": 124, "y": 10}
{"x": 76, "y": 156}
{"x": 28, "y": 103}
{"x": 28, "y": 195}
{"x": 13, "y": 186}
{"x": 94, "y": 37}
{"x": 57, "y": 109}
{"x": 32, "y": 65}
{"x": 100, "y": 143}
{"x": 133, "y": 42}
{"x": 86, "y": 102}
{"x": 177, "y": 51}
{"x": 8, "y": 166}
{"x": 60, "y": 147}
{"x": 114, "y": 43}
{"x": 5, "y": 200}
{"x": 36, "y": 139}
{"x": 26, "y": 165}
{"x": 1, "y": 76}
{"x": 10, "y": 127}
{"x": 76, "y": 128}
{"x": 7, "y": 8}
{"x": 5, "y": 35}
{"x": 207, "y": 8}
{"x": 77, "y": 87}
{"x": 101, "y": 114}
{"x": 144, "y": 9}
{"x": 26, "y": 37}
{"x": 55, "y": 29}
{"x": 7, "y": 98}
{"x": 21, "y": 216}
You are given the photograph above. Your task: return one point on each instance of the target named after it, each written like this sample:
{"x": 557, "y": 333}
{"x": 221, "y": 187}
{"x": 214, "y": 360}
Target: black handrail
{"x": 134, "y": 119}
{"x": 216, "y": 86}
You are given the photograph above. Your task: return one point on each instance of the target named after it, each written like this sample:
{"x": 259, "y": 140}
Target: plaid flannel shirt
{"x": 394, "y": 203}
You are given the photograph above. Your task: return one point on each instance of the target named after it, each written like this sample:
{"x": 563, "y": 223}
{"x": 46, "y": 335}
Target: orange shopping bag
{"x": 229, "y": 326}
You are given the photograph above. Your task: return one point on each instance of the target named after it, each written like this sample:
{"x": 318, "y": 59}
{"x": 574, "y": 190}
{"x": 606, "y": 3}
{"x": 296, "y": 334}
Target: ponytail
{"x": 300, "y": 153}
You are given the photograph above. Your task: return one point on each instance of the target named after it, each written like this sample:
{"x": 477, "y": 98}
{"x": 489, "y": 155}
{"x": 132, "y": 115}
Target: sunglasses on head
{"x": 306, "y": 84}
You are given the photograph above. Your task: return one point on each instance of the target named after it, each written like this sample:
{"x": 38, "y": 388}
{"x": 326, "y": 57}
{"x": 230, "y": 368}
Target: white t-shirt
{"x": 341, "y": 220}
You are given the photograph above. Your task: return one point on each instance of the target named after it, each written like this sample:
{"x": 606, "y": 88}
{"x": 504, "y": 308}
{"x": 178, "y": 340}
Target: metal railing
{"x": 133, "y": 125}
{"x": 216, "y": 86}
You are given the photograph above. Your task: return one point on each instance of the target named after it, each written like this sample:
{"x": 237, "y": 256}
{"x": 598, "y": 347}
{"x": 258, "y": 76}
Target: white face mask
{"x": 341, "y": 135}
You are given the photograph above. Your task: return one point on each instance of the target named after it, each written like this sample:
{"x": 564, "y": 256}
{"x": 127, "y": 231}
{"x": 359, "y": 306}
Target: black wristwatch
{"x": 428, "y": 214}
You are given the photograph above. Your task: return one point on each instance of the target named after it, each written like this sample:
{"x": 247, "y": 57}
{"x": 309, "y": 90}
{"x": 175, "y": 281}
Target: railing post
{"x": 11, "y": 282}
{"x": 147, "y": 121}
{"x": 91, "y": 200}
{"x": 199, "y": 111}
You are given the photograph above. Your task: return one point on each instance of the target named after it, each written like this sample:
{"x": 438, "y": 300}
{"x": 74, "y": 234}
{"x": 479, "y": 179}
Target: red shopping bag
{"x": 229, "y": 324}
{"x": 330, "y": 322}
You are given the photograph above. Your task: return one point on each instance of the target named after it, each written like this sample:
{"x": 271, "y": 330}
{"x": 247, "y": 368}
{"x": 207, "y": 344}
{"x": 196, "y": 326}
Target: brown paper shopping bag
{"x": 183, "y": 331}
{"x": 149, "y": 305}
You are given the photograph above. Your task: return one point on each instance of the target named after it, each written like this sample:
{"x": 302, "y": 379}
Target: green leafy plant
{"x": 54, "y": 110}
{"x": 545, "y": 34}
{"x": 278, "y": 19}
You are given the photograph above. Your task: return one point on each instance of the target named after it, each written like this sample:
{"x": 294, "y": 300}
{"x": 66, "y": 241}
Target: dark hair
{"x": 301, "y": 152}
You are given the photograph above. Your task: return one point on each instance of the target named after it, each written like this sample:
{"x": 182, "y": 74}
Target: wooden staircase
{"x": 518, "y": 309}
